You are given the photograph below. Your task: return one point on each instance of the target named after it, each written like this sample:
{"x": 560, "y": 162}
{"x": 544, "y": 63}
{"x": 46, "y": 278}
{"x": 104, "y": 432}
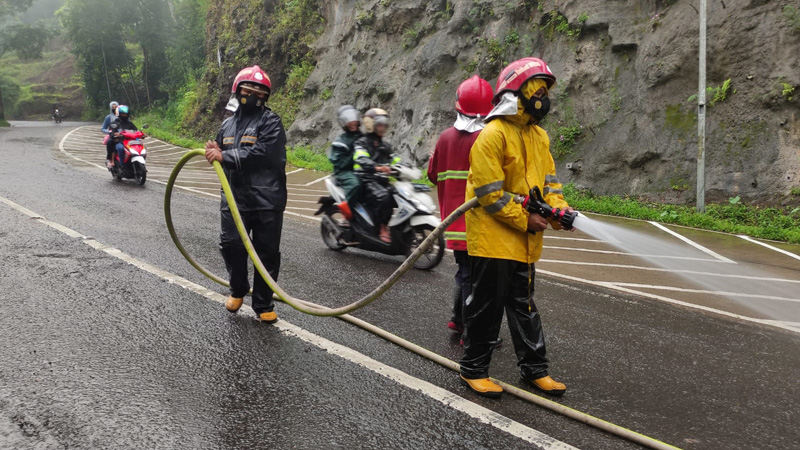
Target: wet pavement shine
{"x": 96, "y": 353}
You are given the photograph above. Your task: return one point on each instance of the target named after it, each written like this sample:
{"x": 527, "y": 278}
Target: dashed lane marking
{"x": 316, "y": 181}
{"x": 771, "y": 247}
{"x": 692, "y": 243}
{"x": 673, "y": 301}
{"x": 702, "y": 291}
{"x": 611, "y": 252}
{"x": 443, "y": 396}
{"x": 676, "y": 271}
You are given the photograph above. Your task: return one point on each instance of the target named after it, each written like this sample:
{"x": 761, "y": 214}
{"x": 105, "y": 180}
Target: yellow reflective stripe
{"x": 227, "y": 140}
{"x": 359, "y": 154}
{"x": 356, "y": 166}
{"x": 396, "y": 160}
{"x": 452, "y": 175}
{"x": 249, "y": 139}
{"x": 455, "y": 235}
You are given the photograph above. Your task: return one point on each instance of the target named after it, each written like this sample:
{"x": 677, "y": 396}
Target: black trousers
{"x": 377, "y": 198}
{"x": 463, "y": 287}
{"x": 265, "y": 231}
{"x": 110, "y": 149}
{"x": 501, "y": 285}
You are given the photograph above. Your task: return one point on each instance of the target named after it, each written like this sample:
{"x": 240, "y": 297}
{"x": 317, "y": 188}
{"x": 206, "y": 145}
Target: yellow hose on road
{"x": 315, "y": 310}
{"x": 342, "y": 312}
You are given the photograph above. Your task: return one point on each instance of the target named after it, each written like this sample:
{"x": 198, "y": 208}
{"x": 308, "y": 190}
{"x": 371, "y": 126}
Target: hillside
{"x": 622, "y": 110}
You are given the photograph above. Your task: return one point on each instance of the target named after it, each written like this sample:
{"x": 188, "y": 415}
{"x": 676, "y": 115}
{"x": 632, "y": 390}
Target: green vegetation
{"x": 286, "y": 101}
{"x": 719, "y": 93}
{"x": 563, "y": 127}
{"x": 787, "y": 91}
{"x": 793, "y": 16}
{"x": 616, "y": 99}
{"x": 558, "y": 23}
{"x": 32, "y": 87}
{"x": 308, "y": 157}
{"x": 734, "y": 217}
{"x": 412, "y": 35}
{"x": 714, "y": 94}
{"x": 678, "y": 120}
{"x": 795, "y": 191}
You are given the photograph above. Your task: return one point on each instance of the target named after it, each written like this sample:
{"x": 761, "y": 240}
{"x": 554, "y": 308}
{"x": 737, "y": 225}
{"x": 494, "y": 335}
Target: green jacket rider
{"x": 342, "y": 150}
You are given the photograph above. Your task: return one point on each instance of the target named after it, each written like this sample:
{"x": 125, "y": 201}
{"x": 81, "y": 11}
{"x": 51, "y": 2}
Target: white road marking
{"x": 446, "y": 398}
{"x": 316, "y": 181}
{"x": 677, "y": 271}
{"x": 610, "y": 252}
{"x": 549, "y": 236}
{"x": 297, "y": 208}
{"x": 771, "y": 247}
{"x": 294, "y": 171}
{"x": 702, "y": 291}
{"x": 673, "y": 301}
{"x": 692, "y": 243}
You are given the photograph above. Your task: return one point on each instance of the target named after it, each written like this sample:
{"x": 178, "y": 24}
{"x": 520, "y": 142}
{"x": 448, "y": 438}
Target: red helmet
{"x": 474, "y": 97}
{"x": 252, "y": 75}
{"x": 518, "y": 72}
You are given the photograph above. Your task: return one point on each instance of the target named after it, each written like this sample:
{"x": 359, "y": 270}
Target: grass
{"x": 166, "y": 129}
{"x": 4, "y": 123}
{"x": 734, "y": 217}
{"x": 308, "y": 157}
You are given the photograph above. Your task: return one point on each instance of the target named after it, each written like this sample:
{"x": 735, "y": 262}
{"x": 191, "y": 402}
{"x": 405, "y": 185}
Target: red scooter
{"x": 133, "y": 166}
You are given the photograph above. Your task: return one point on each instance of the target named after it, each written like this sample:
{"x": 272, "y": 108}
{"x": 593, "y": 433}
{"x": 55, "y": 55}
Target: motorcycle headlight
{"x": 420, "y": 206}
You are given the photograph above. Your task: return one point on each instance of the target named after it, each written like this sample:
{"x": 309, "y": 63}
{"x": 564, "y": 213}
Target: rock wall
{"x": 622, "y": 116}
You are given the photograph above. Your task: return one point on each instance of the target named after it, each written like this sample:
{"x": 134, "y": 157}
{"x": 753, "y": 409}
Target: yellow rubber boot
{"x": 484, "y": 387}
{"x": 233, "y": 304}
{"x": 268, "y": 317}
{"x": 549, "y": 386}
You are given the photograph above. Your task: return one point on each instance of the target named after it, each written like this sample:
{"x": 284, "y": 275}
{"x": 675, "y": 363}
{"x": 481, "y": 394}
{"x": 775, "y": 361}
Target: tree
{"x": 26, "y": 40}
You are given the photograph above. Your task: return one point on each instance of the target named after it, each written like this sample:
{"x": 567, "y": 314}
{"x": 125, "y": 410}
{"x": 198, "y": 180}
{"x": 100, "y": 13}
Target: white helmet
{"x": 347, "y": 114}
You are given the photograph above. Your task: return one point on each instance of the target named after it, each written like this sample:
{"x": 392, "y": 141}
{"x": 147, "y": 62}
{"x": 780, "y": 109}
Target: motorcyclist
{"x": 510, "y": 156}
{"x": 373, "y": 155}
{"x": 110, "y": 118}
{"x": 342, "y": 150}
{"x": 122, "y": 123}
{"x": 448, "y": 168}
{"x": 251, "y": 146}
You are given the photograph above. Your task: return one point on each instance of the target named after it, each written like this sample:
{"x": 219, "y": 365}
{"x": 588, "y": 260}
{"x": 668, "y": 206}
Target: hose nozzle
{"x": 535, "y": 204}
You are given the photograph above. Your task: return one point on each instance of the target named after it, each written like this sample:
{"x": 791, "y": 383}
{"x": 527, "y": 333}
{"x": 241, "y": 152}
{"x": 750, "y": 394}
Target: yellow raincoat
{"x": 510, "y": 156}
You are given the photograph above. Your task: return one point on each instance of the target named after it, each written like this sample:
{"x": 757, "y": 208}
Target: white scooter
{"x": 414, "y": 218}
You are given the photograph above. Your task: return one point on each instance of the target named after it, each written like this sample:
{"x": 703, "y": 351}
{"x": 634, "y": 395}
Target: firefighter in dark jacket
{"x": 251, "y": 146}
{"x": 373, "y": 155}
{"x": 342, "y": 150}
{"x": 448, "y": 168}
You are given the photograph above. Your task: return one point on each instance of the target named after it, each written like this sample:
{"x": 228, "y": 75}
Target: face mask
{"x": 537, "y": 107}
{"x": 250, "y": 103}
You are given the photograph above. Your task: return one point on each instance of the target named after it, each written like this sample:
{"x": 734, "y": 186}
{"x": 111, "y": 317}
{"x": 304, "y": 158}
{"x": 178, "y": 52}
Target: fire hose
{"x": 342, "y": 312}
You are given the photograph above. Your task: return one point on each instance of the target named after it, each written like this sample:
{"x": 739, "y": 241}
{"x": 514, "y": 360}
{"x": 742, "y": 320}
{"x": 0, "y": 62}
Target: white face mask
{"x": 468, "y": 124}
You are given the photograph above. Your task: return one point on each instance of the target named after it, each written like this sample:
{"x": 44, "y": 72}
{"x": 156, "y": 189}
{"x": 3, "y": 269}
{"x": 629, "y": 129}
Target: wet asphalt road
{"x": 95, "y": 353}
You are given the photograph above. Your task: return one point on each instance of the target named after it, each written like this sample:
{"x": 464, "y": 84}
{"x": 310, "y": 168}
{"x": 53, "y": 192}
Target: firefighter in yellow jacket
{"x": 510, "y": 156}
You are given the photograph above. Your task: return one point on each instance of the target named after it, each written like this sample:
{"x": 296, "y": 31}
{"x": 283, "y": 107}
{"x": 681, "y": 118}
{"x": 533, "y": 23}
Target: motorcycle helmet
{"x": 123, "y": 112}
{"x": 347, "y": 114}
{"x": 375, "y": 116}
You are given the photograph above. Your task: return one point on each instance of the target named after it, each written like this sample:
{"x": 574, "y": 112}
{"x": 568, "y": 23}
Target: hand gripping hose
{"x": 305, "y": 307}
{"x": 341, "y": 312}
